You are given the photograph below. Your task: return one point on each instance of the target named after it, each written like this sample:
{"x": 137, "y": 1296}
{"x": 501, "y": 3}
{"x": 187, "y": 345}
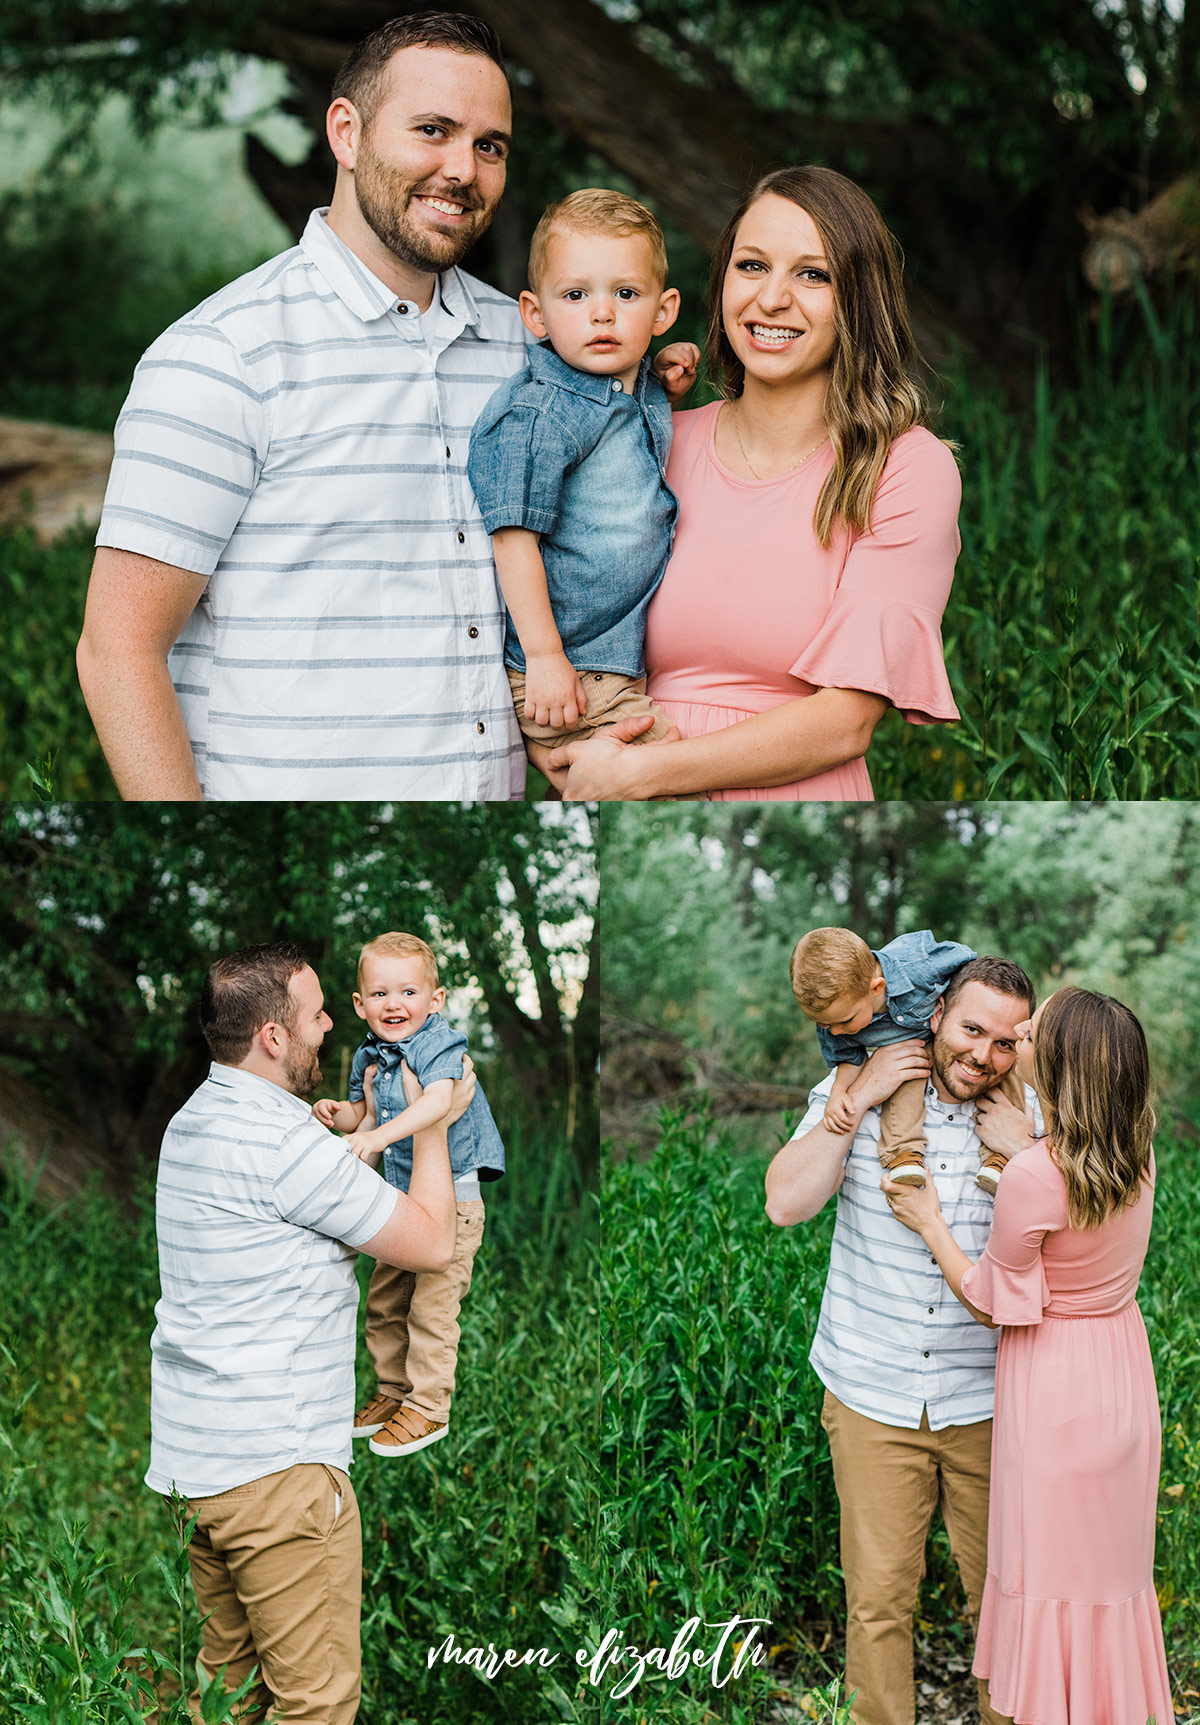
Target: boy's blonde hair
{"x": 397, "y": 945}
{"x": 596, "y": 211}
{"x": 827, "y": 965}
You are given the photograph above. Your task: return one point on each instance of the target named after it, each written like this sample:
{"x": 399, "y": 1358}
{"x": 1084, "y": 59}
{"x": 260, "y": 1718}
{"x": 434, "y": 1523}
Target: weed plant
{"x": 713, "y": 1468}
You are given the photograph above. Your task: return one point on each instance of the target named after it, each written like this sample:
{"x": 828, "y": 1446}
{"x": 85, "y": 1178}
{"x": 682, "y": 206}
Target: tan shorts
{"x": 611, "y": 696}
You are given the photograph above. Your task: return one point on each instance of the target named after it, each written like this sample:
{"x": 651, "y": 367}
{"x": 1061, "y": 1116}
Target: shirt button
{"x": 617, "y": 385}
{"x": 942, "y": 1166}
{"x": 447, "y": 452}
{"x": 472, "y": 631}
{"x": 926, "y": 1354}
{"x": 481, "y": 727}
{"x": 402, "y": 309}
{"x": 462, "y": 538}
{"x": 931, "y": 1311}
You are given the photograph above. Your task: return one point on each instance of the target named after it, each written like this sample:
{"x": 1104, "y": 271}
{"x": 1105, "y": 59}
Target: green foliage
{"x": 713, "y": 1468}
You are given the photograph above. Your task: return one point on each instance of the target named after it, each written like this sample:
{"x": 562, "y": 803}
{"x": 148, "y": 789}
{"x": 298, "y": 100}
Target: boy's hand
{"x": 326, "y": 1111}
{"x": 362, "y": 1145}
{"x": 675, "y": 367}
{"x": 840, "y": 1114}
{"x": 554, "y": 693}
{"x": 463, "y": 1093}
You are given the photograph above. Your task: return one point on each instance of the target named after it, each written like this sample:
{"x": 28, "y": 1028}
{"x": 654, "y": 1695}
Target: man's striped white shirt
{"x": 301, "y": 440}
{"x": 252, "y": 1356}
{"x": 891, "y": 1339}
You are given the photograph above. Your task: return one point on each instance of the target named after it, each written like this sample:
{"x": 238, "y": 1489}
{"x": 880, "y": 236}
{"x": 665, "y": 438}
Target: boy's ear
{"x": 438, "y": 999}
{"x": 668, "y": 310}
{"x": 531, "y": 314}
{"x": 358, "y": 1004}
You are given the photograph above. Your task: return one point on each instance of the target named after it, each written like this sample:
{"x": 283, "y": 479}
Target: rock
{"x": 64, "y": 470}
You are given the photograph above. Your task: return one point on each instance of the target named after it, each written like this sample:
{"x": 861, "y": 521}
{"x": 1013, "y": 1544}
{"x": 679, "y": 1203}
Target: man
{"x": 261, "y": 1215}
{"x": 907, "y": 1371}
{"x": 293, "y": 594}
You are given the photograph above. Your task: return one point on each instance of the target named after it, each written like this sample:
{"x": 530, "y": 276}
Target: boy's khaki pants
{"x": 412, "y": 1322}
{"x": 611, "y": 696}
{"x": 902, "y": 1117}
{"x": 277, "y": 1571}
{"x": 889, "y": 1482}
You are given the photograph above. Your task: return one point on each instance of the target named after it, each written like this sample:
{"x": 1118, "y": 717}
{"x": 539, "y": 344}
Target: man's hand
{"x": 1001, "y": 1125}
{"x": 554, "y": 691}
{"x": 887, "y": 1069}
{"x": 370, "y": 1119}
{"x": 675, "y": 367}
{"x": 841, "y": 1115}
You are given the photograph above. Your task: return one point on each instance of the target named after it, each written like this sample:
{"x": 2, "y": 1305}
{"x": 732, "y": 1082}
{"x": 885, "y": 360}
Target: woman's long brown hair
{"x": 873, "y": 393}
{"x": 1093, "y": 1079}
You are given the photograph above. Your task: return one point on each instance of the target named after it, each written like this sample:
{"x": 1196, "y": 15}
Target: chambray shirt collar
{"x": 546, "y": 366}
{"x": 895, "y": 975}
{"x": 361, "y": 291}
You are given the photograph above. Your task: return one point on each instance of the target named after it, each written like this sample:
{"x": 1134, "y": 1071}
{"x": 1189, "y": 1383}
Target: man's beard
{"x": 383, "y": 195}
{"x": 301, "y": 1068}
{"x": 944, "y": 1058}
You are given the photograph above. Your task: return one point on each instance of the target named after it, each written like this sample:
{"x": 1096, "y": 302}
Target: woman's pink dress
{"x": 753, "y": 611}
{"x": 1069, "y": 1631}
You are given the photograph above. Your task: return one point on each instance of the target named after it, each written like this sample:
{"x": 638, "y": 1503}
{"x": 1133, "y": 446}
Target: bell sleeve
{"x": 1009, "y": 1281}
{"x": 883, "y": 631}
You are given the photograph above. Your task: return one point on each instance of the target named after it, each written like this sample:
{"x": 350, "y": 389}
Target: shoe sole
{"x": 368, "y": 1431}
{"x": 987, "y": 1182}
{"x": 909, "y": 1177}
{"x": 395, "y": 1449}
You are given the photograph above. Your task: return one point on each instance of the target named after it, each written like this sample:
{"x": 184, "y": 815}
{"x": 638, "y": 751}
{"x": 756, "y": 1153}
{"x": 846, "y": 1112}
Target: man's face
{"x": 301, "y": 1066}
{"x": 974, "y": 1041}
{"x": 430, "y": 167}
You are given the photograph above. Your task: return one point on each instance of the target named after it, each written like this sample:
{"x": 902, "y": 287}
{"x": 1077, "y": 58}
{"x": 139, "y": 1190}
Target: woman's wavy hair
{"x": 873, "y": 393}
{"x": 1093, "y": 1079}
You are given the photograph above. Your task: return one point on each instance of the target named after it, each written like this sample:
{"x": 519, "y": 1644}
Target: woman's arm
{"x": 794, "y": 741}
{"x": 919, "y": 1209}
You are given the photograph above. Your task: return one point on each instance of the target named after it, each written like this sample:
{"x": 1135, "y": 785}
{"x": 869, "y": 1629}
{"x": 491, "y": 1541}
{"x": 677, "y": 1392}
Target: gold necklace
{"x": 795, "y": 464}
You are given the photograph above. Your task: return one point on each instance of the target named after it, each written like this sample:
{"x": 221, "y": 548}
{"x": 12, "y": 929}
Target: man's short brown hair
{"x": 827, "y": 965}
{"x": 244, "y": 991}
{"x": 397, "y": 945}
{"x": 597, "y": 211}
{"x": 362, "y": 74}
{"x": 998, "y": 973}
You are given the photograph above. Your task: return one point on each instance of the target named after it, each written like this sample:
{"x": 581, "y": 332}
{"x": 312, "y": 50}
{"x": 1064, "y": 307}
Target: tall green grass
{"x": 719, "y": 1492}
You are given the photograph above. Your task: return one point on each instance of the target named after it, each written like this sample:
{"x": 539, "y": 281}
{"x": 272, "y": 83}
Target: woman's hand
{"x": 604, "y": 769}
{"x": 916, "y": 1206}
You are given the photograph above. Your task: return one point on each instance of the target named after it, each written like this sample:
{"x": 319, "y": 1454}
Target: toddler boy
{"x": 861, "y": 1000}
{"x": 567, "y": 462}
{"x": 412, "y": 1319}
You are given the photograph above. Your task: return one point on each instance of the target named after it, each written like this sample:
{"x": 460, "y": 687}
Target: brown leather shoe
{"x": 908, "y": 1169}
{"x": 988, "y": 1177}
{"x": 376, "y": 1414}
{"x": 407, "y": 1432}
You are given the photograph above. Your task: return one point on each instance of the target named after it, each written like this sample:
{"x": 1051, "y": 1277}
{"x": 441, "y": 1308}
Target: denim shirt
{"x": 432, "y": 1052}
{"x": 916, "y": 969}
{"x": 575, "y": 458}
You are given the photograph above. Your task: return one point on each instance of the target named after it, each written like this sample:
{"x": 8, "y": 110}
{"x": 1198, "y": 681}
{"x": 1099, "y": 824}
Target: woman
{"x": 818, "y": 520}
{"x": 1069, "y": 1631}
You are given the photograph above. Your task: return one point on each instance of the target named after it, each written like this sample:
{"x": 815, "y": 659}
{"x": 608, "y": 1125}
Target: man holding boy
{"x": 293, "y": 594}
{"x": 261, "y": 1215}
{"x": 908, "y": 1374}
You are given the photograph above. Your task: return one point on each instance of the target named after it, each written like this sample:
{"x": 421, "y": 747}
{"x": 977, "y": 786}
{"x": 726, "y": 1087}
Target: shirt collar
{"x": 894, "y": 975}
{"x": 949, "y": 1110}
{"x": 361, "y": 291}
{"x": 237, "y": 1078}
{"x": 547, "y": 367}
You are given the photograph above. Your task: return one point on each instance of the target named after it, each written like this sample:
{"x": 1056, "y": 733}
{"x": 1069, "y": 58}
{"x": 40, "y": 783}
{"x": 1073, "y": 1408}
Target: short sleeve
{"x": 190, "y": 443}
{"x": 519, "y": 457}
{"x": 883, "y": 630}
{"x": 1009, "y": 1281}
{"x": 358, "y": 1066}
{"x": 840, "y": 1050}
{"x": 318, "y": 1185}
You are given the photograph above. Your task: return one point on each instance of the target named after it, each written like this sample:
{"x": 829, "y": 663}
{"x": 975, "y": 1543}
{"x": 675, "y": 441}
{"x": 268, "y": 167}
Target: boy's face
{"x": 600, "y": 301}
{"x": 397, "y": 996}
{"x": 850, "y": 1013}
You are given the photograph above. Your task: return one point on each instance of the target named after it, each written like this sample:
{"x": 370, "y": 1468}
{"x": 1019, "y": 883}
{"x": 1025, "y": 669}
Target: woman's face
{"x": 1027, "y": 1034}
{"x": 777, "y": 305}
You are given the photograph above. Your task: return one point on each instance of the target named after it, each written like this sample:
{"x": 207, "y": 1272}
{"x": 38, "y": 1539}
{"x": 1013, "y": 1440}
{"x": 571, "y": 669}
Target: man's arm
{"x": 430, "y": 1109}
{"x": 806, "y": 1173}
{"x": 136, "y": 607}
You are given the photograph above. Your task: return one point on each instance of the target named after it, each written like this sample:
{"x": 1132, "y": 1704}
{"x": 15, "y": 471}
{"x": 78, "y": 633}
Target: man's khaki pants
{"x": 889, "y": 1482}
{"x": 277, "y": 1569}
{"x": 412, "y": 1322}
